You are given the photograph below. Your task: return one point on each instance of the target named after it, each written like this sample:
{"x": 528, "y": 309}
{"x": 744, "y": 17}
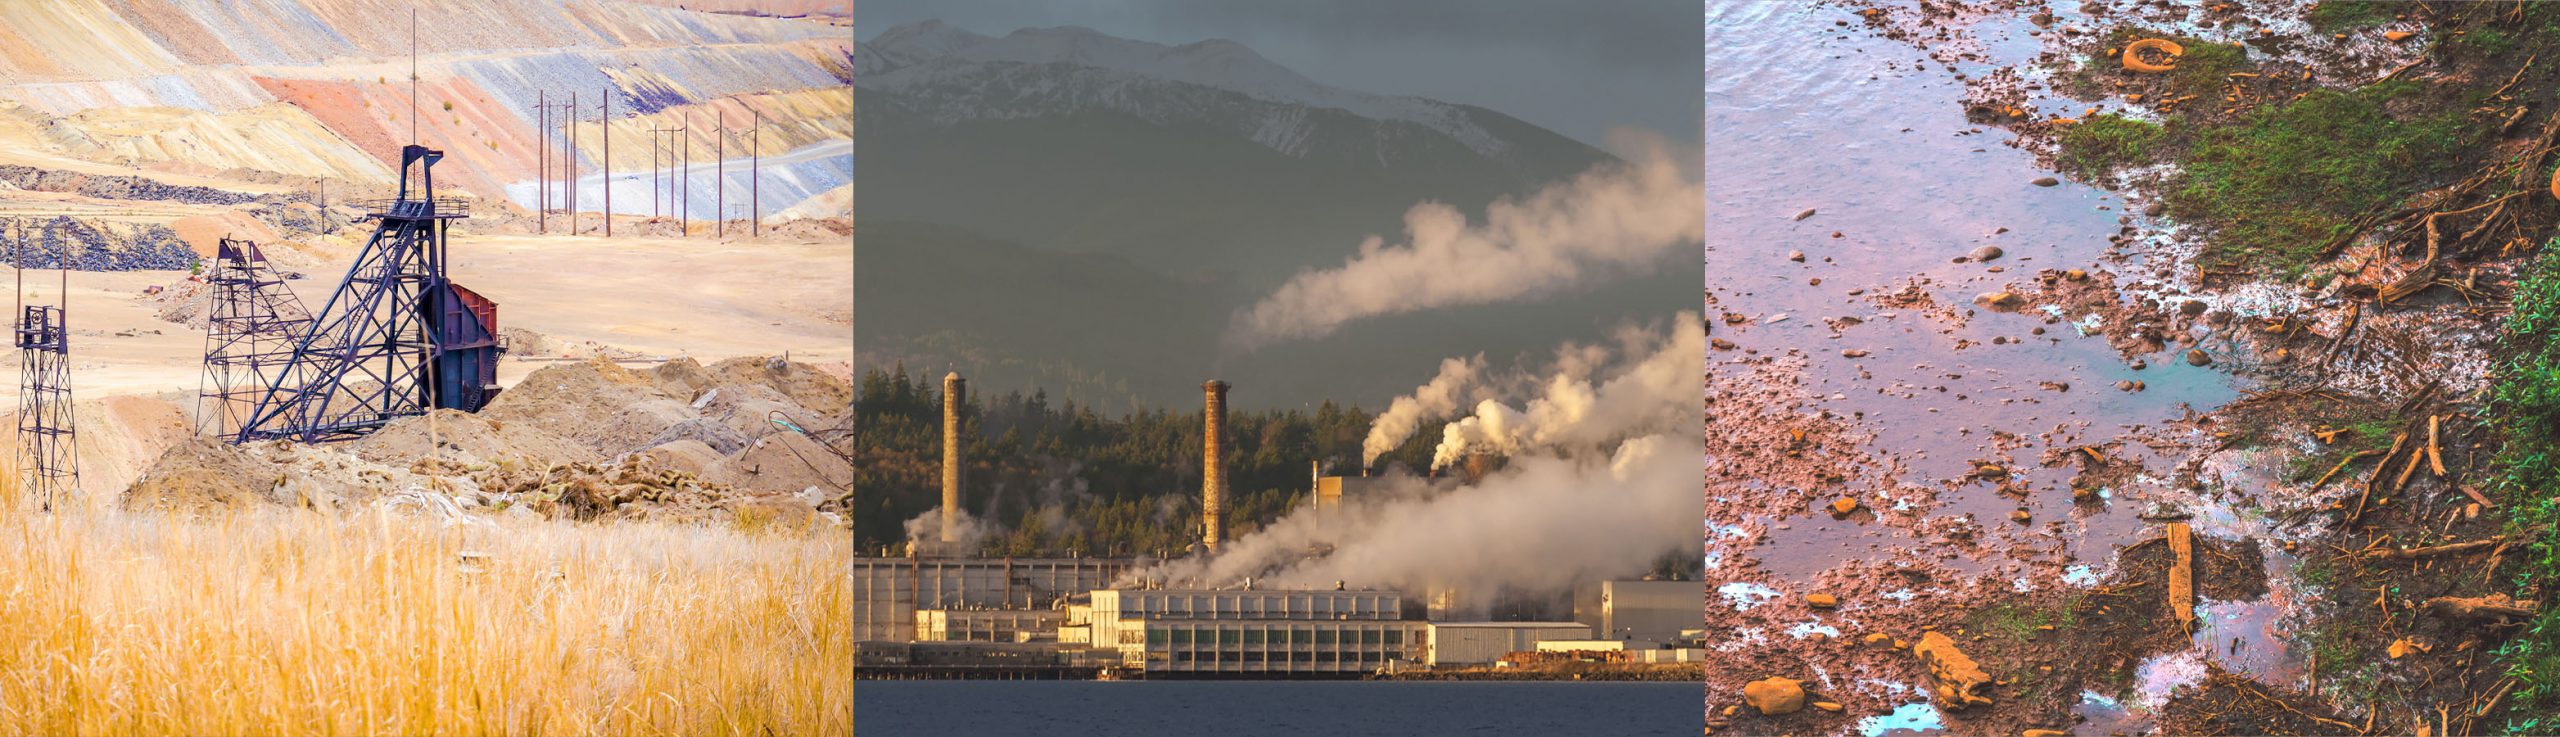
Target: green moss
{"x": 2334, "y": 16}
{"x": 2484, "y": 41}
{"x": 2203, "y": 66}
{"x": 2101, "y": 143}
{"x": 2287, "y": 179}
{"x": 2525, "y": 409}
{"x": 2017, "y": 622}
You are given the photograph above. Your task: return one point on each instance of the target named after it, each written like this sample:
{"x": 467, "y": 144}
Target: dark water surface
{"x": 1296, "y": 708}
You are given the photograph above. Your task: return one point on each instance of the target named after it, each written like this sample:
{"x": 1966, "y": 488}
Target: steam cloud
{"x": 924, "y": 534}
{"x": 1620, "y": 216}
{"x": 1602, "y": 490}
{"x": 1444, "y": 395}
{"x": 1574, "y": 412}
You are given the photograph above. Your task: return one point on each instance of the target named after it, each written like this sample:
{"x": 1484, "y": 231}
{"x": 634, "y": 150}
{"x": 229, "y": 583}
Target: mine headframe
{"x": 44, "y": 418}
{"x": 253, "y": 322}
{"x": 396, "y": 339}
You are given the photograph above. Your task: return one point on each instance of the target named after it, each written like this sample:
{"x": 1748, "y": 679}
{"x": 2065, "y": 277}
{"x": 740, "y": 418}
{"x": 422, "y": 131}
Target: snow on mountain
{"x": 1037, "y": 71}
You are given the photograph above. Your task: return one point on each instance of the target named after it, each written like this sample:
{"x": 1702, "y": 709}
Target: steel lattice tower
{"x": 252, "y": 323}
{"x": 45, "y": 429}
{"x": 396, "y": 339}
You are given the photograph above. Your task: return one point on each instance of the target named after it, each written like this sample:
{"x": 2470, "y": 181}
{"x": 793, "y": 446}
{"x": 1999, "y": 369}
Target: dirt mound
{"x": 784, "y": 462}
{"x": 594, "y": 402}
{"x": 465, "y": 438}
{"x": 690, "y": 456}
{"x": 637, "y": 487}
{"x": 809, "y": 386}
{"x": 203, "y": 473}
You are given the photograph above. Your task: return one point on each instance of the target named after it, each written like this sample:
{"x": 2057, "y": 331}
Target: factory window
{"x": 1300, "y": 636}
{"x": 1324, "y": 657}
{"x": 1182, "y": 637}
{"x": 1253, "y": 657}
{"x": 1395, "y": 637}
{"x": 1253, "y": 636}
{"x": 1227, "y": 637}
{"x": 1368, "y": 637}
{"x": 1324, "y": 637}
{"x": 1155, "y": 636}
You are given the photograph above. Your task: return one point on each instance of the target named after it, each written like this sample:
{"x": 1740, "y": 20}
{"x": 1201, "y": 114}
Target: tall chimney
{"x": 1213, "y": 468}
{"x": 954, "y": 392}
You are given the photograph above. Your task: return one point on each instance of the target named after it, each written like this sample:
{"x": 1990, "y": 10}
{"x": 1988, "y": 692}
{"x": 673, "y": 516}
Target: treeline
{"x": 1060, "y": 479}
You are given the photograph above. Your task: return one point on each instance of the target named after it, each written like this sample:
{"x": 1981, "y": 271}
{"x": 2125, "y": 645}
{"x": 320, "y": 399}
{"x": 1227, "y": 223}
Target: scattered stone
{"x": 1999, "y": 300}
{"x": 1844, "y": 505}
{"x": 1987, "y": 253}
{"x": 1796, "y": 256}
{"x": 2154, "y": 209}
{"x": 2397, "y": 36}
{"x": 2046, "y": 181}
{"x": 2197, "y": 357}
{"x": 1830, "y": 706}
{"x": 1822, "y": 601}
{"x": 1956, "y": 674}
{"x": 2076, "y": 275}
{"x": 1854, "y": 353}
{"x": 1775, "y": 696}
{"x": 1808, "y": 212}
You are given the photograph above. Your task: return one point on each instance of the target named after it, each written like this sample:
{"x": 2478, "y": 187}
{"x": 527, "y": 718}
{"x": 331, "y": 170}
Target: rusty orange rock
{"x": 2133, "y": 55}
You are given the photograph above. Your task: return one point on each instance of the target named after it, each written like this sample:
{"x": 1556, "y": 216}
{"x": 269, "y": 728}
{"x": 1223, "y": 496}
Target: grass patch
{"x": 2484, "y": 41}
{"x": 2101, "y": 143}
{"x": 2337, "y": 16}
{"x": 2289, "y": 178}
{"x": 2018, "y": 622}
{"x": 2525, "y": 409}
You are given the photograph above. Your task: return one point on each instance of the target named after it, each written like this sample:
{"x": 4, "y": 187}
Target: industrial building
{"x": 1477, "y": 643}
{"x": 937, "y": 616}
{"x": 988, "y": 625}
{"x": 1651, "y": 611}
{"x": 888, "y": 592}
{"x": 1204, "y": 633}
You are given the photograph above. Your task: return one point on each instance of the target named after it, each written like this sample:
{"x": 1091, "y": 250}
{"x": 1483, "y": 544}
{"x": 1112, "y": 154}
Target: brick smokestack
{"x": 1213, "y": 467}
{"x": 955, "y": 391}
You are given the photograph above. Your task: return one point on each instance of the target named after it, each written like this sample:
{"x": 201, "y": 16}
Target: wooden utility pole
{"x": 755, "y": 166}
{"x": 542, "y": 159}
{"x": 571, "y": 158}
{"x": 604, "y": 120}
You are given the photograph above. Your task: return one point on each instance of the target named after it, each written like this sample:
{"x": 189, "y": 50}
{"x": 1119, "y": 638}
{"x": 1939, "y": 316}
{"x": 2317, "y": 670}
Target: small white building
{"x": 1468, "y": 643}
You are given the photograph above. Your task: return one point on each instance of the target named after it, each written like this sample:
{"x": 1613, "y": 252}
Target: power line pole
{"x": 542, "y": 159}
{"x": 604, "y": 120}
{"x": 684, "y": 209}
{"x": 571, "y": 158}
{"x": 755, "y": 166}
{"x": 719, "y": 175}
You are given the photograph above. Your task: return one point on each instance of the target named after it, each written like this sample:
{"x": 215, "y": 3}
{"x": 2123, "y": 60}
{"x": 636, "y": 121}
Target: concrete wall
{"x": 1455, "y": 643}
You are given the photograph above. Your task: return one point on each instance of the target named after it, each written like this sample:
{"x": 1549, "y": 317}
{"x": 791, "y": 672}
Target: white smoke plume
{"x": 1619, "y": 217}
{"x": 1442, "y": 396}
{"x": 1539, "y": 525}
{"x": 924, "y": 534}
{"x": 1575, "y": 412}
{"x": 1602, "y": 481}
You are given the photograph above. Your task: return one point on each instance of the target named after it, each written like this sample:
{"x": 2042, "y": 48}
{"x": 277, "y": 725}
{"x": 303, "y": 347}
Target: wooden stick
{"x": 2435, "y": 451}
{"x": 2432, "y": 550}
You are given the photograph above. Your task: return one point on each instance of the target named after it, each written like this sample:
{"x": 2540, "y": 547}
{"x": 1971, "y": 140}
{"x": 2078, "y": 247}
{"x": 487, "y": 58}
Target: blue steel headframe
{"x": 377, "y": 348}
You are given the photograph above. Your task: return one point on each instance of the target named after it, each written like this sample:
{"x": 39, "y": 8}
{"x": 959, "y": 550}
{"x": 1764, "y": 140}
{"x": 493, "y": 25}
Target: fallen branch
{"x": 2432, "y": 550}
{"x": 2482, "y": 607}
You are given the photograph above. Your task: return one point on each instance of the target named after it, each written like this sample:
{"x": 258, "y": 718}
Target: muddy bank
{"x": 2355, "y": 340}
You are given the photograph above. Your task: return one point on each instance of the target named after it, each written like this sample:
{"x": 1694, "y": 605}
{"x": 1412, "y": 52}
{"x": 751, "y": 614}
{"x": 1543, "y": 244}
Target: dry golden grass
{"x": 272, "y": 622}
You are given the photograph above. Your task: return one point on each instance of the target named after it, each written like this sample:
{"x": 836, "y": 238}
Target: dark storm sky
{"x": 1580, "y": 68}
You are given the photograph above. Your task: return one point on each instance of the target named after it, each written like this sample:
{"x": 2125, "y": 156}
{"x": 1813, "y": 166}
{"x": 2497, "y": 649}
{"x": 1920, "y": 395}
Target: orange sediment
{"x": 2133, "y": 55}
